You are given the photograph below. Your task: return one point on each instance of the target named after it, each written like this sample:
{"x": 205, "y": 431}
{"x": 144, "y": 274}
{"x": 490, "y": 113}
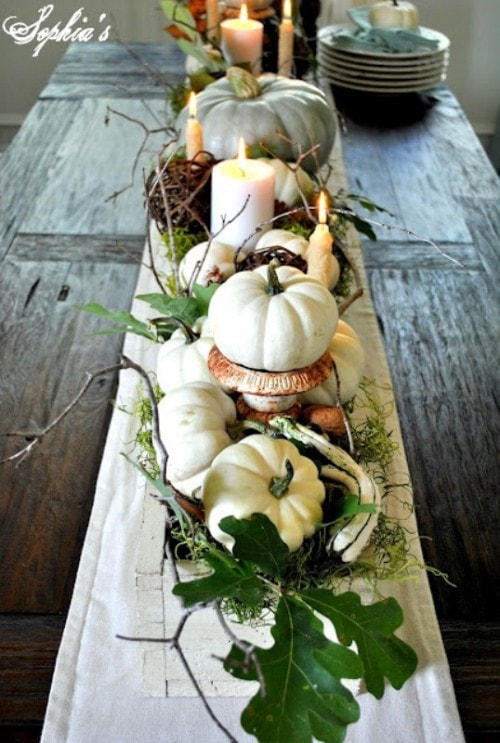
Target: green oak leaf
{"x": 230, "y": 578}
{"x": 257, "y": 540}
{"x": 372, "y": 628}
{"x": 124, "y": 321}
{"x": 203, "y": 295}
{"x": 185, "y": 308}
{"x": 300, "y": 698}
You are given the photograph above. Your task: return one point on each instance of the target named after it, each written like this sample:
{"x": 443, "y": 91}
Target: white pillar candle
{"x": 194, "y": 133}
{"x": 285, "y": 41}
{"x": 212, "y": 20}
{"x": 241, "y": 40}
{"x": 320, "y": 244}
{"x": 242, "y": 200}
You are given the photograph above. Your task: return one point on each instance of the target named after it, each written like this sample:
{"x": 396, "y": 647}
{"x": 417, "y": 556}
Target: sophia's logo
{"x": 39, "y": 33}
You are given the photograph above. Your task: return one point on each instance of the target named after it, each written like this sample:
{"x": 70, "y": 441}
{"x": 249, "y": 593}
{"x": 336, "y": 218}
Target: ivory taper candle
{"x": 212, "y": 20}
{"x": 285, "y": 41}
{"x": 319, "y": 253}
{"x": 194, "y": 133}
{"x": 242, "y": 199}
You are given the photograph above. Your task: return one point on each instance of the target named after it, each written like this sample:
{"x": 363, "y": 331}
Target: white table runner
{"x": 96, "y": 692}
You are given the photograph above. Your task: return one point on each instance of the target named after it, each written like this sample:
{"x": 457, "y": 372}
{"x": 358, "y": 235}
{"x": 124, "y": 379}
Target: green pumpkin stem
{"x": 189, "y": 333}
{"x": 273, "y": 284}
{"x": 279, "y": 485}
{"x": 245, "y": 85}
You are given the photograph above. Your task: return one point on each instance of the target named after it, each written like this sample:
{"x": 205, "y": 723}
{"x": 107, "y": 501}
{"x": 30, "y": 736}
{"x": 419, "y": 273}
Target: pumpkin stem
{"x": 279, "y": 485}
{"x": 189, "y": 333}
{"x": 395, "y": 3}
{"x": 273, "y": 285}
{"x": 245, "y": 85}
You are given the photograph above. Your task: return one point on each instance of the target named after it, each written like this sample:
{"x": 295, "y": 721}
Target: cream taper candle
{"x": 212, "y": 20}
{"x": 319, "y": 253}
{"x": 285, "y": 41}
{"x": 241, "y": 40}
{"x": 194, "y": 133}
{"x": 242, "y": 200}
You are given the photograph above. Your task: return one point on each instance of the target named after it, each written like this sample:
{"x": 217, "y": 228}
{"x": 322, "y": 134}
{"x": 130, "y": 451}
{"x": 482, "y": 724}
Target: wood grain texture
{"x": 22, "y": 175}
{"x": 45, "y": 351}
{"x": 108, "y": 70}
{"x": 95, "y": 248}
{"x": 94, "y": 160}
{"x": 28, "y": 649}
{"x": 445, "y": 376}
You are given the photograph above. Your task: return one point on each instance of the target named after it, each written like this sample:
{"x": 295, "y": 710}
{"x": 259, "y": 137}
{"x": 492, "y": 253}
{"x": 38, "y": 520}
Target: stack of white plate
{"x": 382, "y": 72}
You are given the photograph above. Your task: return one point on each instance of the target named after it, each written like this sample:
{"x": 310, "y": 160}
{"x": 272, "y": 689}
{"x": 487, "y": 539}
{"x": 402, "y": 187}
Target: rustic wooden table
{"x": 64, "y": 242}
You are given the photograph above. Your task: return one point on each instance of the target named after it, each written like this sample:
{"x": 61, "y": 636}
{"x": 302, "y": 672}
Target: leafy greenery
{"x": 301, "y": 694}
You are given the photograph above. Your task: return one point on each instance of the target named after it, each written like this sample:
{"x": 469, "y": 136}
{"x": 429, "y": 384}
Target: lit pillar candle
{"x": 242, "y": 198}
{"x": 241, "y": 40}
{"x": 319, "y": 253}
{"x": 212, "y": 20}
{"x": 285, "y": 41}
{"x": 194, "y": 133}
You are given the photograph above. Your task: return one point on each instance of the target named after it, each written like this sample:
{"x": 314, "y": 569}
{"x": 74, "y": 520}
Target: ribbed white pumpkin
{"x": 193, "y": 420}
{"x": 216, "y": 264}
{"x": 299, "y": 246}
{"x": 181, "y": 361}
{"x": 279, "y": 331}
{"x": 349, "y": 357}
{"x": 290, "y": 184}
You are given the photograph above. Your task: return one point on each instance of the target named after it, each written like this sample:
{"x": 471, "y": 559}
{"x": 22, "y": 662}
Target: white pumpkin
{"x": 349, "y": 357}
{"x": 273, "y": 319}
{"x": 285, "y": 239}
{"x": 253, "y": 477}
{"x": 290, "y": 184}
{"x": 193, "y": 419}
{"x": 388, "y": 14}
{"x": 215, "y": 264}
{"x": 299, "y": 246}
{"x": 182, "y": 360}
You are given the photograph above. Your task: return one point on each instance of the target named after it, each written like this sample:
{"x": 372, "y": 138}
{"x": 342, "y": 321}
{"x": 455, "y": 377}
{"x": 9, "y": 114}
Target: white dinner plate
{"x": 362, "y": 73}
{"x": 326, "y": 36}
{"x": 361, "y": 61}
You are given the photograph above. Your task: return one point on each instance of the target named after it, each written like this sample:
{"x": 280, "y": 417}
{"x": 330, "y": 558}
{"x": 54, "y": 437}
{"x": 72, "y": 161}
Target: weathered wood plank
{"x": 444, "y": 362}
{"x": 410, "y": 255}
{"x": 94, "y": 161}
{"x": 28, "y": 160}
{"x": 473, "y": 651}
{"x": 45, "y": 351}
{"x": 397, "y": 168}
{"x": 111, "y": 70}
{"x": 28, "y": 649}
{"x": 99, "y": 249}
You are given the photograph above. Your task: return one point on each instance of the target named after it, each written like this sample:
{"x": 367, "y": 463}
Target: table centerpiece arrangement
{"x": 259, "y": 431}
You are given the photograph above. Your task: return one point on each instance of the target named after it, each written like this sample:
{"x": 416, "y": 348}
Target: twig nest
{"x": 273, "y": 319}
{"x": 181, "y": 191}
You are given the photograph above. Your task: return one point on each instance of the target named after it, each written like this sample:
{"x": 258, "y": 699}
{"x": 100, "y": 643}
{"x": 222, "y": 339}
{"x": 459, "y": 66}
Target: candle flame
{"x": 243, "y": 13}
{"x": 287, "y": 9}
{"x": 192, "y": 104}
{"x": 322, "y": 208}
{"x": 242, "y": 151}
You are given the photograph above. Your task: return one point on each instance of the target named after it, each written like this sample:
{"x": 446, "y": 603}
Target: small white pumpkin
{"x": 193, "y": 420}
{"x": 290, "y": 183}
{"x": 285, "y": 239}
{"x": 182, "y": 359}
{"x": 215, "y": 262}
{"x": 264, "y": 475}
{"x": 299, "y": 246}
{"x": 349, "y": 357}
{"x": 273, "y": 319}
{"x": 394, "y": 14}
